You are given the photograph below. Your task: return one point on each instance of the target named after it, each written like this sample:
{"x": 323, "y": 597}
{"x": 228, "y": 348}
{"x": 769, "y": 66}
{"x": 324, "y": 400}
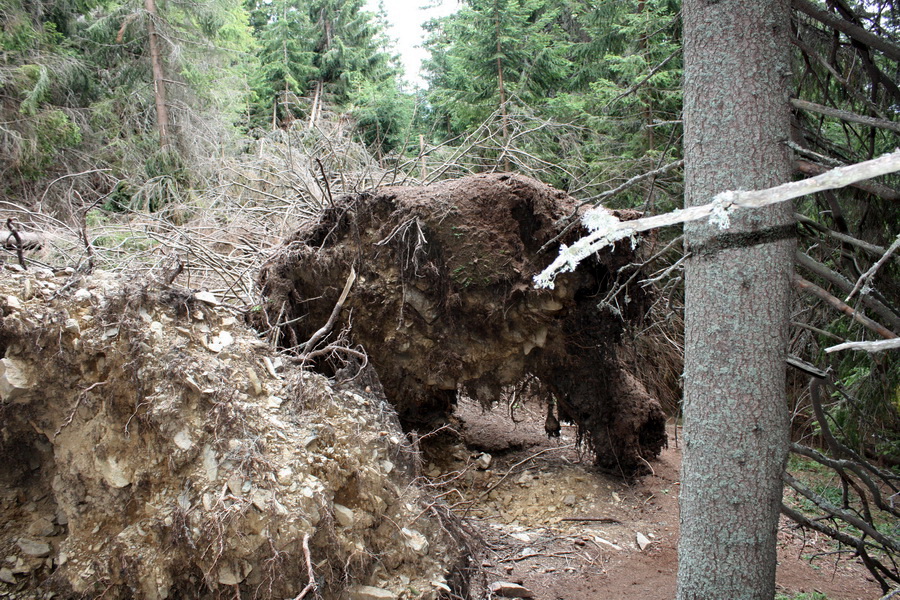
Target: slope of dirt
{"x": 152, "y": 447}
{"x": 564, "y": 531}
{"x": 444, "y": 303}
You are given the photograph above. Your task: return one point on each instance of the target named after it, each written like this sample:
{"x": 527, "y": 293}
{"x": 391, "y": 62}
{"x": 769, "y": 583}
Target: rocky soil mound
{"x": 443, "y": 302}
{"x": 153, "y": 447}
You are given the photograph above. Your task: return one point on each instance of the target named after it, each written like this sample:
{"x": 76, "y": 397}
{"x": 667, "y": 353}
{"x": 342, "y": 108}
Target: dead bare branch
{"x": 310, "y": 344}
{"x": 839, "y": 281}
{"x": 841, "y": 237}
{"x": 845, "y": 115}
{"x": 876, "y": 346}
{"x": 884, "y": 45}
{"x": 807, "y": 286}
{"x": 861, "y": 282}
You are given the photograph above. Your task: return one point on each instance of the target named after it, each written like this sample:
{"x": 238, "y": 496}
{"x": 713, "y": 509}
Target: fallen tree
{"x": 443, "y": 303}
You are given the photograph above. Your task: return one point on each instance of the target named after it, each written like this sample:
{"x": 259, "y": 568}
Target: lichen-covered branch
{"x": 875, "y": 346}
{"x": 605, "y": 229}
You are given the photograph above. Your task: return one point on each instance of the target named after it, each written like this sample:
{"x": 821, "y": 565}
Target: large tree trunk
{"x": 736, "y": 116}
{"x": 504, "y": 117}
{"x": 159, "y": 84}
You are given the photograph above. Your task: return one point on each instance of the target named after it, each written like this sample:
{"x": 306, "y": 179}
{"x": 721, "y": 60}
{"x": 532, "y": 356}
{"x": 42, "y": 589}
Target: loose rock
{"x": 510, "y": 590}
{"x": 33, "y": 547}
{"x": 368, "y": 592}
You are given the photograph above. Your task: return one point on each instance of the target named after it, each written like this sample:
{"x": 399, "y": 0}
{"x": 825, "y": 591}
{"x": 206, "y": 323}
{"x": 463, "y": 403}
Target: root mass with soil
{"x": 444, "y": 304}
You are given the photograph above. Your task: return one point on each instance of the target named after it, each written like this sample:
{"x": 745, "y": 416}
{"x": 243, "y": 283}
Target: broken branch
{"x": 845, "y": 115}
{"x": 860, "y": 283}
{"x": 13, "y": 228}
{"x": 853, "y": 31}
{"x": 875, "y": 346}
{"x": 874, "y": 188}
{"x": 606, "y": 229}
{"x": 837, "y": 304}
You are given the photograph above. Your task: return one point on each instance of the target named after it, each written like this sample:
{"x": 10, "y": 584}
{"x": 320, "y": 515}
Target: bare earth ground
{"x": 564, "y": 531}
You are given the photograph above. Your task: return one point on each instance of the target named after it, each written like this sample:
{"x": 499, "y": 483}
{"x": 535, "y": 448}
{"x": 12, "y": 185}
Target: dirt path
{"x": 564, "y": 531}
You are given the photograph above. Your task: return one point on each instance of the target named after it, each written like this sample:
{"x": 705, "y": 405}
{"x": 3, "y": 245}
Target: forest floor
{"x": 550, "y": 522}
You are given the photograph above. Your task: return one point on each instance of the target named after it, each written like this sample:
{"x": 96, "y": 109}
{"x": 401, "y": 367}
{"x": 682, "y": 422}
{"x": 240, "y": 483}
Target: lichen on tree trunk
{"x": 444, "y": 303}
{"x": 736, "y": 298}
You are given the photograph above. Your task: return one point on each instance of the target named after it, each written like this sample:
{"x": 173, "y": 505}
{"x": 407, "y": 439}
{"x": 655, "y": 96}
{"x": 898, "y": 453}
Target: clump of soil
{"x": 154, "y": 447}
{"x": 444, "y": 304}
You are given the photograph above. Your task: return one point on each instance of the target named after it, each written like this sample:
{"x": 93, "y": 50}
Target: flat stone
{"x": 183, "y": 440}
{"x": 23, "y": 567}
{"x": 483, "y": 461}
{"x": 285, "y": 475}
{"x": 229, "y": 576}
{"x": 261, "y": 499}
{"x": 605, "y": 542}
{"x": 210, "y": 463}
{"x": 207, "y": 297}
{"x": 116, "y": 473}
{"x": 510, "y": 590}
{"x": 368, "y": 592}
{"x": 642, "y": 541}
{"x": 13, "y": 302}
{"x": 235, "y": 484}
{"x": 7, "y": 575}
{"x": 72, "y": 326}
{"x": 343, "y": 515}
{"x": 255, "y": 385}
{"x": 34, "y": 548}
{"x": 41, "y": 527}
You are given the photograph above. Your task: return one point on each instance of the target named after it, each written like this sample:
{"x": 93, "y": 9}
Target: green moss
{"x": 802, "y": 596}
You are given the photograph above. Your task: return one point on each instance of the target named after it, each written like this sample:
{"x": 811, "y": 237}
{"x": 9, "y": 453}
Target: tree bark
{"x": 159, "y": 82}
{"x": 737, "y": 120}
{"x": 504, "y": 118}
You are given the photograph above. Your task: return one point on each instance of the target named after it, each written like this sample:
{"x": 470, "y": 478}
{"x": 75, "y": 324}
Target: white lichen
{"x": 600, "y": 219}
{"x": 720, "y": 205}
{"x": 605, "y": 230}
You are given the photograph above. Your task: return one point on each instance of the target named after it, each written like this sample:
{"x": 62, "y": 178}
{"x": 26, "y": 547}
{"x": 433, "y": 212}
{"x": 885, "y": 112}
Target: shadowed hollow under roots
{"x": 444, "y": 304}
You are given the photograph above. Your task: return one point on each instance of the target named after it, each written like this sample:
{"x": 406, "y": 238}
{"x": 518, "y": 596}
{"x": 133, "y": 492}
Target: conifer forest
{"x": 604, "y": 302}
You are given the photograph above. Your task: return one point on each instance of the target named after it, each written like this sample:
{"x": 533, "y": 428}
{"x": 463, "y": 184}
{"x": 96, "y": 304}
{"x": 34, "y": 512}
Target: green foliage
{"x": 383, "y": 114}
{"x": 330, "y": 52}
{"x": 284, "y": 34}
{"x": 867, "y": 414}
{"x": 78, "y": 87}
{"x": 802, "y": 596}
{"x": 589, "y": 82}
{"x": 518, "y": 41}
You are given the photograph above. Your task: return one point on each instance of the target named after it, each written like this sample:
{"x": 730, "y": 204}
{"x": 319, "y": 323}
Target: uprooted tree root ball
{"x": 443, "y": 303}
{"x": 152, "y": 447}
